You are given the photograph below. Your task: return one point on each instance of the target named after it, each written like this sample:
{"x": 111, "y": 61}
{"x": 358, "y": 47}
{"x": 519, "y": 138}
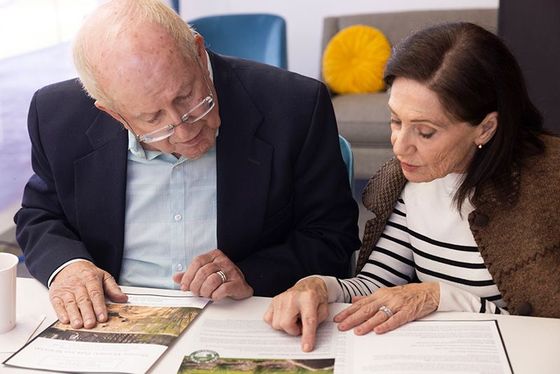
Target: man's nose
{"x": 175, "y": 117}
{"x": 183, "y": 130}
{"x": 180, "y": 128}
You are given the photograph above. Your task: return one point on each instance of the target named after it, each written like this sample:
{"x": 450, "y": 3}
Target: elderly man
{"x": 228, "y": 180}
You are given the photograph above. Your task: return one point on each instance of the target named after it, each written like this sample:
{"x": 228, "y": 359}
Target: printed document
{"x": 252, "y": 346}
{"x": 135, "y": 336}
{"x": 247, "y": 344}
{"x": 431, "y": 347}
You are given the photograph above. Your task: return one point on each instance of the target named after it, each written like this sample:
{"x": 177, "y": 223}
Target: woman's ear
{"x": 487, "y": 128}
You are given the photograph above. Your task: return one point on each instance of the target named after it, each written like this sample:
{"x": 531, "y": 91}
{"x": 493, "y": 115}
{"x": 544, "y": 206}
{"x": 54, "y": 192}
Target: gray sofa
{"x": 363, "y": 119}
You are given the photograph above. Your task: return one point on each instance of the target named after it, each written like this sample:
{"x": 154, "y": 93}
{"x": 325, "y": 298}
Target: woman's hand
{"x": 300, "y": 310}
{"x": 406, "y": 303}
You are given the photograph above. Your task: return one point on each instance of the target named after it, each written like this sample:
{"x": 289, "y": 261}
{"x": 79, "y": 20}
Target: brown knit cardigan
{"x": 517, "y": 233}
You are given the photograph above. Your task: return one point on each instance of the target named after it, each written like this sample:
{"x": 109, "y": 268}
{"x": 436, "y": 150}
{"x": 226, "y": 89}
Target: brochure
{"x": 136, "y": 334}
{"x": 251, "y": 346}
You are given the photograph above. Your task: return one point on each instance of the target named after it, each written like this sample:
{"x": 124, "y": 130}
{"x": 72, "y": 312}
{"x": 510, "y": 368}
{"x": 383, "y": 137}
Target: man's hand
{"x": 77, "y": 294}
{"x": 202, "y": 277}
{"x": 300, "y": 310}
{"x": 406, "y": 303}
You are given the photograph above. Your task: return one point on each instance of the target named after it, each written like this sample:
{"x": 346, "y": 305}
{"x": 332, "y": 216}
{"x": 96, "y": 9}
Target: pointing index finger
{"x": 309, "y": 323}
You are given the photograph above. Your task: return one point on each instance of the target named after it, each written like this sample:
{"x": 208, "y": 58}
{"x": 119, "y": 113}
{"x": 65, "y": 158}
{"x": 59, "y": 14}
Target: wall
{"x": 34, "y": 24}
{"x": 532, "y": 30}
{"x": 305, "y": 18}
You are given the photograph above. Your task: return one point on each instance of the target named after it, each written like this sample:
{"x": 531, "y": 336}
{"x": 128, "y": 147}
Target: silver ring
{"x": 385, "y": 309}
{"x": 222, "y": 275}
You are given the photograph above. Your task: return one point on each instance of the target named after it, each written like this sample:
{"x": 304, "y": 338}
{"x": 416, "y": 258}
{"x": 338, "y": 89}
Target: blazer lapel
{"x": 100, "y": 185}
{"x": 243, "y": 165}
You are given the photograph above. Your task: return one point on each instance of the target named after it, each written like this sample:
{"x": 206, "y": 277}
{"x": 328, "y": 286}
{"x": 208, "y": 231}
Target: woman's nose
{"x": 401, "y": 141}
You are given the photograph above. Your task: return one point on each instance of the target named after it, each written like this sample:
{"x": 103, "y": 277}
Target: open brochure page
{"x": 135, "y": 336}
{"x": 246, "y": 344}
{"x": 431, "y": 347}
{"x": 251, "y": 346}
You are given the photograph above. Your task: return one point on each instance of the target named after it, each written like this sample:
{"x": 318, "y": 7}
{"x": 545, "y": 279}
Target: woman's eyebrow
{"x": 420, "y": 120}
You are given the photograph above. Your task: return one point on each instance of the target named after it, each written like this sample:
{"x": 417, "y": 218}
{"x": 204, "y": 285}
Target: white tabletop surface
{"x": 533, "y": 344}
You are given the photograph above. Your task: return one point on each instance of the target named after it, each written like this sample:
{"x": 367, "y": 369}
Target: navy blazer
{"x": 284, "y": 206}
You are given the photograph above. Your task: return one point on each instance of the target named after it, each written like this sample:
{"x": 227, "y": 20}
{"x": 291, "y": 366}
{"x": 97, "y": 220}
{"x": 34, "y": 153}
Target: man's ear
{"x": 487, "y": 128}
{"x": 200, "y": 48}
{"x": 105, "y": 108}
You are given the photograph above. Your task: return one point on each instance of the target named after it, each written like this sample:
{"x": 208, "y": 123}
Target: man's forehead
{"x": 142, "y": 66}
{"x": 146, "y": 93}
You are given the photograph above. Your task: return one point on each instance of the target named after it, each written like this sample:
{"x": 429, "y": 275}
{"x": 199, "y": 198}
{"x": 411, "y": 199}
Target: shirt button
{"x": 178, "y": 217}
{"x": 179, "y": 267}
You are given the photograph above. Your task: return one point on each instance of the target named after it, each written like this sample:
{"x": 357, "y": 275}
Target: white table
{"x": 533, "y": 344}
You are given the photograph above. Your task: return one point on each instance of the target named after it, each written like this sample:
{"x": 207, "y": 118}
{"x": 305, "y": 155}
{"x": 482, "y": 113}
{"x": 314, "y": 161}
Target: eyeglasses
{"x": 196, "y": 113}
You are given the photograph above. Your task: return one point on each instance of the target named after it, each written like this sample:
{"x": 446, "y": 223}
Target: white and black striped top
{"x": 427, "y": 238}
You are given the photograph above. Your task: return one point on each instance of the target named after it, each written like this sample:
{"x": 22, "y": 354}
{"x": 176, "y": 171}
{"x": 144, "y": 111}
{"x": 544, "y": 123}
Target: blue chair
{"x": 257, "y": 37}
{"x": 348, "y": 158}
{"x": 175, "y": 4}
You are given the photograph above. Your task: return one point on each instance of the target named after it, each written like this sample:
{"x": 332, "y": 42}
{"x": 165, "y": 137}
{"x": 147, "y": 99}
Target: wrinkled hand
{"x": 408, "y": 303}
{"x": 300, "y": 310}
{"x": 77, "y": 294}
{"x": 202, "y": 278}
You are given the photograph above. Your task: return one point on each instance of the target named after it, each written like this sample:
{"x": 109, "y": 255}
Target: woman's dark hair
{"x": 473, "y": 73}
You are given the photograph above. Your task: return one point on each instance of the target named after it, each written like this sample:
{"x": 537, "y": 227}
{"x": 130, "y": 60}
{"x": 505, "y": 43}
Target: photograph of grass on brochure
{"x": 260, "y": 366}
{"x": 130, "y": 324}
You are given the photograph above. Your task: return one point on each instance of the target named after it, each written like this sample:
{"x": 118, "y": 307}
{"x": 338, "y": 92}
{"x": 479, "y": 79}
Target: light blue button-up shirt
{"x": 170, "y": 214}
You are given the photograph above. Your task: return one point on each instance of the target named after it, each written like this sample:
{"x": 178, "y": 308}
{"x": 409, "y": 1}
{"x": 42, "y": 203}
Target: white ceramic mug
{"x": 8, "y": 267}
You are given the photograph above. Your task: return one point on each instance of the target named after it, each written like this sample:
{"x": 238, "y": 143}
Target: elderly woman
{"x": 467, "y": 214}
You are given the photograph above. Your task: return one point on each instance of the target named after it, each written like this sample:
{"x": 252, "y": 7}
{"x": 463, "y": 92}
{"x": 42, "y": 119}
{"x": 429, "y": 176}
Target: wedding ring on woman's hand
{"x": 385, "y": 309}
{"x": 222, "y": 275}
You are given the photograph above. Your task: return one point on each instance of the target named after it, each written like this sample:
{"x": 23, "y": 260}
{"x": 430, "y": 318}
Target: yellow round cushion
{"x": 355, "y": 59}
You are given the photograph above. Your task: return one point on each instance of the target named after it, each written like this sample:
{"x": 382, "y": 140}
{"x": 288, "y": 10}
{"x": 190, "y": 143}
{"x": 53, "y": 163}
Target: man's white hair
{"x": 102, "y": 30}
